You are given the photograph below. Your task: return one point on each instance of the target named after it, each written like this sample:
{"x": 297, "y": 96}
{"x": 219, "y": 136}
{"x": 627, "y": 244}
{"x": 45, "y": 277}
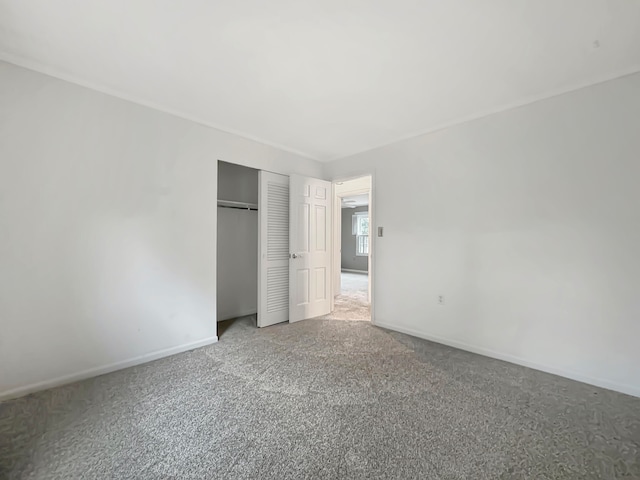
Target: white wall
{"x": 237, "y": 252}
{"x": 528, "y": 222}
{"x": 107, "y": 229}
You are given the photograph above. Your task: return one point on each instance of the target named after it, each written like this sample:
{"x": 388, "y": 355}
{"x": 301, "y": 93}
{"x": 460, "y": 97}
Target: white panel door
{"x": 273, "y": 249}
{"x": 310, "y": 245}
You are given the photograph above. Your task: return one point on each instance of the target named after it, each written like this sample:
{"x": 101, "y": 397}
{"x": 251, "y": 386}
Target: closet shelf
{"x": 238, "y": 205}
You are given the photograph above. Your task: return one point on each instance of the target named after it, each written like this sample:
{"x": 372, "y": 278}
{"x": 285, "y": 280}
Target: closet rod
{"x": 253, "y": 209}
{"x": 237, "y": 205}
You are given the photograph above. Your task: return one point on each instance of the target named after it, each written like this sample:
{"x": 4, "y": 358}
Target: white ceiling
{"x": 355, "y": 201}
{"x": 327, "y": 78}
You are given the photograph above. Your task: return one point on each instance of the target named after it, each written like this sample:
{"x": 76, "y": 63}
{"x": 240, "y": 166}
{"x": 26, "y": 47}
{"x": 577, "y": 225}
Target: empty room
{"x": 319, "y": 240}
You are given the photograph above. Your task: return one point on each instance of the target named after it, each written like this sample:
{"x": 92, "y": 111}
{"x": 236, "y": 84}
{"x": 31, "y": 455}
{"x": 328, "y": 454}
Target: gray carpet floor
{"x": 352, "y": 303}
{"x": 322, "y": 399}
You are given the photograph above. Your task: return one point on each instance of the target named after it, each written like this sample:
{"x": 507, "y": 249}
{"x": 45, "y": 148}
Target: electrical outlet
{"x": 440, "y": 299}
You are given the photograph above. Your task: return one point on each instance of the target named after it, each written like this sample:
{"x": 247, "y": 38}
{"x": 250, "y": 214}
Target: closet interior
{"x": 237, "y": 251}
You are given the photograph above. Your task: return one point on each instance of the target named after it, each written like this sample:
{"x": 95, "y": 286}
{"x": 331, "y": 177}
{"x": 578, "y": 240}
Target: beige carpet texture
{"x": 352, "y": 303}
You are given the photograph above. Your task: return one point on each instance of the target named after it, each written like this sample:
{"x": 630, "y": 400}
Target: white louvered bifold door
{"x": 273, "y": 250}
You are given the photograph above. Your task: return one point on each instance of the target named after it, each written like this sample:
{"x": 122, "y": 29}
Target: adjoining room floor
{"x": 352, "y": 303}
{"x": 322, "y": 399}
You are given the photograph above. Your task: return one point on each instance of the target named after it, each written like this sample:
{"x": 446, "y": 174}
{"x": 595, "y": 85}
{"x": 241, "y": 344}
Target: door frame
{"x": 337, "y": 234}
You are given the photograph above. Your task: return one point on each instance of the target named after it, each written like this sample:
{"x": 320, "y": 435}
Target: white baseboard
{"x": 96, "y": 371}
{"x": 349, "y": 270}
{"x": 598, "y": 382}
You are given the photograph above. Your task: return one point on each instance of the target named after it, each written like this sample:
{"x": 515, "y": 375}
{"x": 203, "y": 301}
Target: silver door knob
{"x": 293, "y": 255}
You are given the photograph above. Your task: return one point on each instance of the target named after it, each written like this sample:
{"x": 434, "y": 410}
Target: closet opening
{"x": 237, "y": 252}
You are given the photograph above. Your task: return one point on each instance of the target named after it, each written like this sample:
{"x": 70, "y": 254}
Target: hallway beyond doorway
{"x": 352, "y": 302}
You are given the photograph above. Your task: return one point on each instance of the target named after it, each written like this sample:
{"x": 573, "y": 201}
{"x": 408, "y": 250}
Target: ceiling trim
{"x": 505, "y": 108}
{"x": 52, "y": 72}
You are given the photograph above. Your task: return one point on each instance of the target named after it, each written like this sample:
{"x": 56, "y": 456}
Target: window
{"x": 360, "y": 228}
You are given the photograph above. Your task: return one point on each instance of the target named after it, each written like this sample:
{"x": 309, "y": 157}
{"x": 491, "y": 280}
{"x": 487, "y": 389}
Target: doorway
{"x": 352, "y": 250}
